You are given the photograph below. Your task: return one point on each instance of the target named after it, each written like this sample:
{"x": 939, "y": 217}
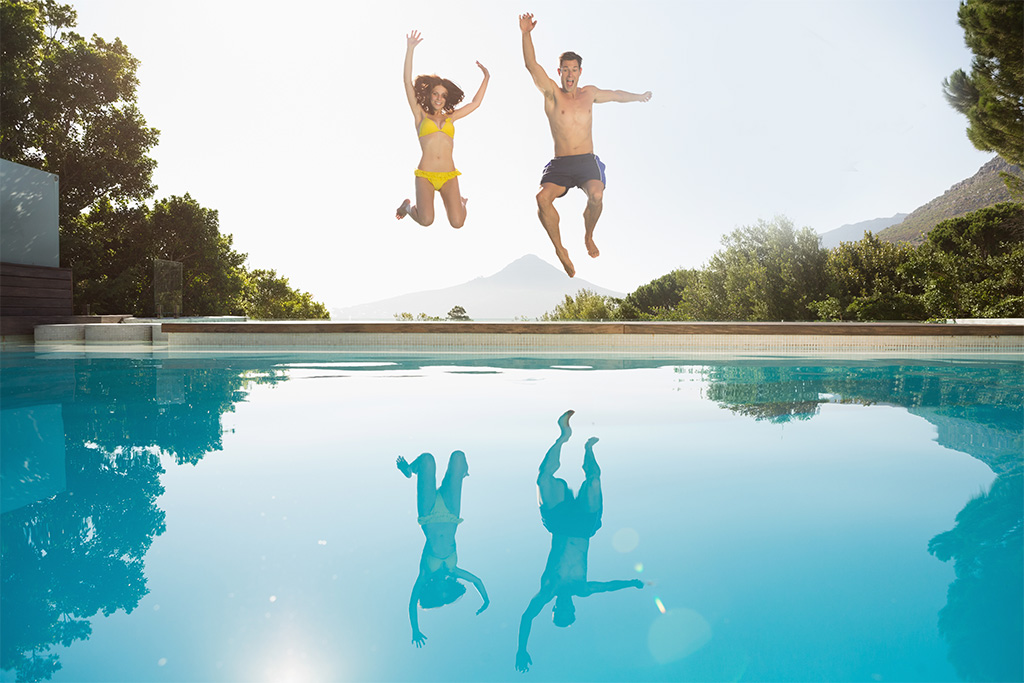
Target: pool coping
{"x": 621, "y": 338}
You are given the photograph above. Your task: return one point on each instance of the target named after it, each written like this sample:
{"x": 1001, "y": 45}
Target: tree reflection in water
{"x": 977, "y": 410}
{"x": 81, "y": 552}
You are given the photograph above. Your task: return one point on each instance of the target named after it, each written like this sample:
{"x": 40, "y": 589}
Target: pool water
{"x": 241, "y": 518}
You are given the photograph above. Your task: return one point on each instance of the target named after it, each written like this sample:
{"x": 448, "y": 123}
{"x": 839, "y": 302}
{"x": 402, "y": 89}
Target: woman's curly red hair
{"x": 423, "y": 86}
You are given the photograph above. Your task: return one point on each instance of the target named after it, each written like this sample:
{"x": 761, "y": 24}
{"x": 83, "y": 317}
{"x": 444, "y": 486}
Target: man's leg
{"x": 590, "y": 490}
{"x": 595, "y": 197}
{"x": 550, "y": 490}
{"x": 549, "y": 219}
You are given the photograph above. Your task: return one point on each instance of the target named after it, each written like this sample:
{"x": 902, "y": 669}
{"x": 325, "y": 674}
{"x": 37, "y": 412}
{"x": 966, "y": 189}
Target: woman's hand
{"x": 418, "y": 638}
{"x": 484, "y": 606}
{"x": 523, "y": 661}
{"x": 413, "y": 39}
{"x": 487, "y": 74}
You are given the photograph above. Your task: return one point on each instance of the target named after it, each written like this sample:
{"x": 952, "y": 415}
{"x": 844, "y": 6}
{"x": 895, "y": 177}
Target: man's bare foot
{"x": 563, "y": 256}
{"x": 404, "y": 467}
{"x": 563, "y": 423}
{"x": 591, "y": 247}
{"x": 403, "y": 211}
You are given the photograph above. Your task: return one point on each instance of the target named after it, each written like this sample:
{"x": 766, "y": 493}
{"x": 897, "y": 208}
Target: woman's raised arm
{"x": 411, "y": 41}
{"x": 477, "y": 98}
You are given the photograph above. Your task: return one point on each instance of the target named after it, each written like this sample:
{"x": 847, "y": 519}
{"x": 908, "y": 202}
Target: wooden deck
{"x": 33, "y": 295}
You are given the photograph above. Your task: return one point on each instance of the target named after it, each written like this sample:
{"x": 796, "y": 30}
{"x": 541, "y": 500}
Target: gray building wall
{"x": 29, "y": 216}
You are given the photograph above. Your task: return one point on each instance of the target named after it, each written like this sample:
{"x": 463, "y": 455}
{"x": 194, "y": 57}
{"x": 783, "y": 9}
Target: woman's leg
{"x": 454, "y": 203}
{"x": 451, "y": 485}
{"x": 426, "y": 480}
{"x": 423, "y": 211}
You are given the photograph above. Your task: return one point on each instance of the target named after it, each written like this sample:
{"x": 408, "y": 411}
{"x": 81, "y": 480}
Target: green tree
{"x": 179, "y": 229}
{"x": 586, "y": 305}
{"x": 658, "y": 299}
{"x": 69, "y": 108}
{"x": 866, "y": 282}
{"x": 768, "y": 271}
{"x": 110, "y": 257}
{"x": 269, "y": 297}
{"x": 973, "y": 266}
{"x": 419, "y": 317}
{"x": 458, "y": 313}
{"x": 992, "y": 96}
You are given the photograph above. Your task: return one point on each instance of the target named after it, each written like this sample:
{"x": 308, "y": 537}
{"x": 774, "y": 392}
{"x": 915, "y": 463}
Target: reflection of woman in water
{"x": 433, "y": 101}
{"x": 438, "y": 509}
{"x": 572, "y": 521}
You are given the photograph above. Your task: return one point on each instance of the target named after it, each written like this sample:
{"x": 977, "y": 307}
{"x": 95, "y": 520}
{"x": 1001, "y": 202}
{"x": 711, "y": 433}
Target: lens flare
{"x": 660, "y": 605}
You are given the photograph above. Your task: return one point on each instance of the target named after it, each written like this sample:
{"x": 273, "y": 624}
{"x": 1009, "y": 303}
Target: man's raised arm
{"x": 540, "y": 79}
{"x": 620, "y": 96}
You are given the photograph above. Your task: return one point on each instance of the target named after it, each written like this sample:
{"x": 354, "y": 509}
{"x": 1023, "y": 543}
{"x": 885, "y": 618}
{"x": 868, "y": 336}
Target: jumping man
{"x": 570, "y": 110}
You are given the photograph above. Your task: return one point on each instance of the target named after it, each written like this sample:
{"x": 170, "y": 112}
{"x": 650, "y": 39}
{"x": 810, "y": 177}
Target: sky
{"x": 291, "y": 121}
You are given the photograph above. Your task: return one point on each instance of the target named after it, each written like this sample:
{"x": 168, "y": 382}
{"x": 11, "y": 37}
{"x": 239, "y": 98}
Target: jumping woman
{"x": 433, "y": 101}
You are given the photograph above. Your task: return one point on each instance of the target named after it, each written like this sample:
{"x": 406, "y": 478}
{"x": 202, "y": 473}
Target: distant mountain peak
{"x": 527, "y": 287}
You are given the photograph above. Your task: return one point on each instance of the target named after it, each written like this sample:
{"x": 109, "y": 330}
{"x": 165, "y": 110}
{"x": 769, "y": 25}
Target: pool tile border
{"x": 620, "y": 337}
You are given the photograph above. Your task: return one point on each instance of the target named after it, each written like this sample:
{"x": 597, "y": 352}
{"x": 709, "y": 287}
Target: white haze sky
{"x": 291, "y": 121}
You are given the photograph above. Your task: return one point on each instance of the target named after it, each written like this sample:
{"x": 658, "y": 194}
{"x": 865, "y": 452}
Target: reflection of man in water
{"x": 572, "y": 520}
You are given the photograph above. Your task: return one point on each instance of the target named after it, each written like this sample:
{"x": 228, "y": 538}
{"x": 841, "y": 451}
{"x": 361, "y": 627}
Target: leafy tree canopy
{"x": 458, "y": 313}
{"x": 657, "y": 299}
{"x": 992, "y": 95}
{"x": 586, "y": 305}
{"x": 267, "y": 296}
{"x": 767, "y": 271}
{"x": 69, "y": 107}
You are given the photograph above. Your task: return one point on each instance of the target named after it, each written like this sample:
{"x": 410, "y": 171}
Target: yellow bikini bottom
{"x": 437, "y": 178}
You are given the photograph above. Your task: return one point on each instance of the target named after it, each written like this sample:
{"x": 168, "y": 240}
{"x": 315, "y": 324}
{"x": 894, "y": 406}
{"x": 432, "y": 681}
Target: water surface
{"x": 242, "y": 519}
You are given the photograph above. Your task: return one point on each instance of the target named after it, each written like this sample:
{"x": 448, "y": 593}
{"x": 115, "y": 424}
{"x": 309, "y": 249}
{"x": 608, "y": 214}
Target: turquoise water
{"x": 241, "y": 518}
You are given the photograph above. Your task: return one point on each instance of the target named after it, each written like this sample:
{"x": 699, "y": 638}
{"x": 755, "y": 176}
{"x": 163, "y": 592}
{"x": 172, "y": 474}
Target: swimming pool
{"x": 192, "y": 517}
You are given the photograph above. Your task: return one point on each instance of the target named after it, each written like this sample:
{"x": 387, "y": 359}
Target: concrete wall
{"x": 29, "y": 216}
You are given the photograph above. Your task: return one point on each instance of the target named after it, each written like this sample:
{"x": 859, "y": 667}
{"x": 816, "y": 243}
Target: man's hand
{"x": 646, "y": 97}
{"x": 523, "y": 661}
{"x": 418, "y": 638}
{"x": 526, "y": 22}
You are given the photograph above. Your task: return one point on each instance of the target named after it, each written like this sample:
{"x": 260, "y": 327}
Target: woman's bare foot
{"x": 402, "y": 212}
{"x": 563, "y": 256}
{"x": 591, "y": 247}
{"x": 403, "y": 465}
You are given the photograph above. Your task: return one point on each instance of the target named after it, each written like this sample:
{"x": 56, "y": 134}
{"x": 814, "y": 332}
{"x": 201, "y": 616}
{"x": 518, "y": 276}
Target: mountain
{"x": 855, "y": 232}
{"x": 984, "y": 188}
{"x": 528, "y": 287}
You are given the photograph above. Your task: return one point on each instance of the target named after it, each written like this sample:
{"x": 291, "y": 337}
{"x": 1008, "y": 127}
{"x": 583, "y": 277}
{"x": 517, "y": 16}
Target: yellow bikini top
{"x": 428, "y": 126}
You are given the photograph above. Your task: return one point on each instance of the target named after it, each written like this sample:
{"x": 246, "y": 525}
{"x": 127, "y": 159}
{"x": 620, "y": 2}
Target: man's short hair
{"x": 568, "y": 57}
